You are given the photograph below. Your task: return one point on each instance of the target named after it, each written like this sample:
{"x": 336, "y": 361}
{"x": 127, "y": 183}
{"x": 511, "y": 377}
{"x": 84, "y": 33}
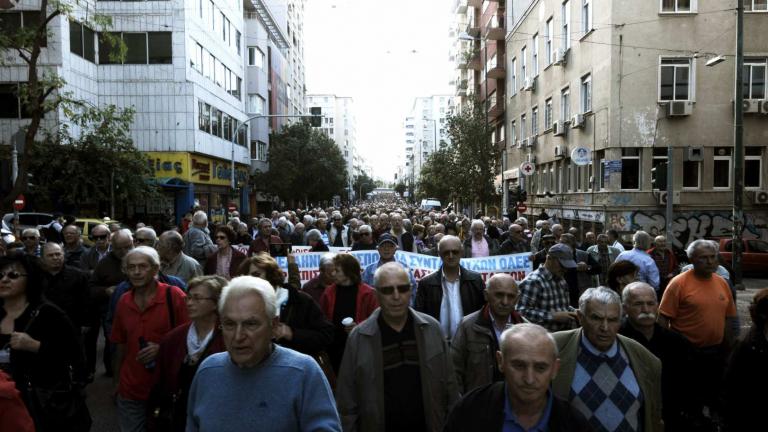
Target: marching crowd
{"x": 205, "y": 331}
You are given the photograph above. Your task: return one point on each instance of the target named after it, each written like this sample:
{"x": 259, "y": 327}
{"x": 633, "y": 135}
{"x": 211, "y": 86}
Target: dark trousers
{"x": 708, "y": 364}
{"x": 90, "y": 342}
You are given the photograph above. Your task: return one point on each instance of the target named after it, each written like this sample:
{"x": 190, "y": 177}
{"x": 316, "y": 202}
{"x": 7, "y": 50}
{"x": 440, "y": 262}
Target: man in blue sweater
{"x": 257, "y": 385}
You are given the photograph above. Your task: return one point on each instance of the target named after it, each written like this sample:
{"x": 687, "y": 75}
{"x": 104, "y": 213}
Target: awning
{"x": 170, "y": 182}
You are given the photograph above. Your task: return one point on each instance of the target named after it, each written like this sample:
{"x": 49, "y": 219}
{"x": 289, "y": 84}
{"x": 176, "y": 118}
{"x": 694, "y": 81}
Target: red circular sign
{"x": 18, "y": 204}
{"x": 521, "y": 207}
{"x": 232, "y": 208}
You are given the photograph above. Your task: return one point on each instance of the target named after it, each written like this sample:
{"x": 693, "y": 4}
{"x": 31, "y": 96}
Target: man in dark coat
{"x": 451, "y": 292}
{"x": 65, "y": 286}
{"x": 524, "y": 400}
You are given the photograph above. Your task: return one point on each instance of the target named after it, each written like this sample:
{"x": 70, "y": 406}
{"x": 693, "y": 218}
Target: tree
{"x": 99, "y": 165}
{"x": 363, "y": 184}
{"x": 437, "y": 174}
{"x": 400, "y": 188}
{"x": 41, "y": 94}
{"x": 475, "y": 158}
{"x": 304, "y": 165}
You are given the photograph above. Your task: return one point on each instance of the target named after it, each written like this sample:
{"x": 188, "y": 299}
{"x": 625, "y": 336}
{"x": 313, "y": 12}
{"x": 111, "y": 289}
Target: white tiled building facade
{"x": 425, "y": 131}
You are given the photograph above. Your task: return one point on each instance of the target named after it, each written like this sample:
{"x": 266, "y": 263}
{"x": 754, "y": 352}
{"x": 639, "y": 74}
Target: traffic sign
{"x": 527, "y": 168}
{"x": 521, "y": 207}
{"x": 232, "y": 207}
{"x": 581, "y": 156}
{"x": 18, "y": 205}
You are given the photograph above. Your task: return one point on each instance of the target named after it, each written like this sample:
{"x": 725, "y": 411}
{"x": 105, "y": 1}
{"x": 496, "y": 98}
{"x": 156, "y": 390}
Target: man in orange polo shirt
{"x": 698, "y": 304}
{"x": 142, "y": 317}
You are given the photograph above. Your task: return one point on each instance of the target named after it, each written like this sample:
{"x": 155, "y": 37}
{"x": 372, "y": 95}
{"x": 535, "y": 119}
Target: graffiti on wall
{"x": 688, "y": 227}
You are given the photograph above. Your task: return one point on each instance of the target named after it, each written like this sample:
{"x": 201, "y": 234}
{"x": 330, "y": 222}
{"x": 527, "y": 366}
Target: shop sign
{"x": 169, "y": 164}
{"x": 194, "y": 168}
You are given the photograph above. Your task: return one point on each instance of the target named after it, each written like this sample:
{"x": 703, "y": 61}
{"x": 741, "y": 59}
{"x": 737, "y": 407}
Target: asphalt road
{"x": 105, "y": 416}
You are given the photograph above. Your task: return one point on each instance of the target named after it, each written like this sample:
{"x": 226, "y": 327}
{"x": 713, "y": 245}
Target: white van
{"x": 431, "y": 204}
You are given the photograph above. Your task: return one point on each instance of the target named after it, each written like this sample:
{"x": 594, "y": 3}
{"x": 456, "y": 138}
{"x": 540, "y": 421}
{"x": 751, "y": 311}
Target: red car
{"x": 754, "y": 254}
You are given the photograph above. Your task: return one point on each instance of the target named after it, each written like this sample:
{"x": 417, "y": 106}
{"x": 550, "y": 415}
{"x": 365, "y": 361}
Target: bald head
{"x": 525, "y": 335}
{"x": 501, "y": 293}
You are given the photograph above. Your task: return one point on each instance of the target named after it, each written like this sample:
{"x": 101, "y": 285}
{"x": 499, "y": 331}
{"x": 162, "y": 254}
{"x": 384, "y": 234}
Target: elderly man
{"x": 30, "y": 237}
{"x": 474, "y": 347}
{"x": 674, "y": 351}
{"x": 316, "y": 286}
{"x": 698, "y": 304}
{"x": 589, "y": 240}
{"x": 264, "y": 239}
{"x": 396, "y": 374}
{"x": 528, "y": 360}
{"x": 542, "y": 229}
{"x": 579, "y": 278}
{"x": 297, "y": 236}
{"x": 405, "y": 240}
{"x": 605, "y": 255}
{"x": 73, "y": 245}
{"x": 144, "y": 314}
{"x": 173, "y": 261}
{"x": 615, "y": 240}
{"x": 364, "y": 239}
{"x": 515, "y": 243}
{"x": 387, "y": 248}
{"x": 544, "y": 292}
{"x": 479, "y": 244}
{"x": 452, "y": 291}
{"x": 338, "y": 234}
{"x": 197, "y": 240}
{"x": 65, "y": 286}
{"x": 292, "y": 394}
{"x": 648, "y": 272}
{"x": 612, "y": 380}
{"x": 665, "y": 260}
{"x": 145, "y": 236}
{"x": 100, "y": 235}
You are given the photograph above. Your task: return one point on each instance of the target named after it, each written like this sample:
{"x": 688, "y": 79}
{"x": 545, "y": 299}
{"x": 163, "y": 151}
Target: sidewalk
{"x": 744, "y": 298}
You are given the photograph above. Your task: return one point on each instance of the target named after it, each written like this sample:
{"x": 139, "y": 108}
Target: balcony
{"x": 475, "y": 62}
{"x": 495, "y": 106}
{"x": 473, "y": 26}
{"x": 463, "y": 59}
{"x": 460, "y": 6}
{"x": 494, "y": 29}
{"x": 496, "y": 67}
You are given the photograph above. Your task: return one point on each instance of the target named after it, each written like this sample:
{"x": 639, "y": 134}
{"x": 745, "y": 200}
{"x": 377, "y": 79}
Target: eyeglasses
{"x": 100, "y": 237}
{"x": 389, "y": 290}
{"x": 247, "y": 326}
{"x": 29, "y": 238}
{"x": 12, "y": 275}
{"x": 196, "y": 298}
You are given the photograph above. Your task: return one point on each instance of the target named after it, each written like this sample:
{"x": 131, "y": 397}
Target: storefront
{"x": 188, "y": 180}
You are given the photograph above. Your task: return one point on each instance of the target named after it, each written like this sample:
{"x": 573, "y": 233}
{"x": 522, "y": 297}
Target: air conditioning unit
{"x": 679, "y": 108}
{"x": 693, "y": 154}
{"x": 529, "y": 84}
{"x": 761, "y": 197}
{"x": 559, "y": 151}
{"x": 663, "y": 198}
{"x": 524, "y": 142}
{"x": 755, "y": 106}
{"x": 561, "y": 57}
{"x": 558, "y": 128}
{"x": 532, "y": 140}
{"x": 577, "y": 121}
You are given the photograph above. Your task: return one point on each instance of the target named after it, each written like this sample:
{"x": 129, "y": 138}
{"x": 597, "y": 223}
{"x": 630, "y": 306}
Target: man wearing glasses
{"x": 31, "y": 239}
{"x": 452, "y": 291}
{"x": 515, "y": 243}
{"x": 100, "y": 237}
{"x": 145, "y": 237}
{"x": 396, "y": 373}
{"x": 364, "y": 239}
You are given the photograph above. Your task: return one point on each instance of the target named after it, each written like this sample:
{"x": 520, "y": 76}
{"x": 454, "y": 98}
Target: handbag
{"x": 162, "y": 411}
{"x": 324, "y": 361}
{"x": 61, "y": 407}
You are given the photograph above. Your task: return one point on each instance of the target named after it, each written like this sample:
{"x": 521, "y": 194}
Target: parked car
{"x": 754, "y": 254}
{"x": 87, "y": 224}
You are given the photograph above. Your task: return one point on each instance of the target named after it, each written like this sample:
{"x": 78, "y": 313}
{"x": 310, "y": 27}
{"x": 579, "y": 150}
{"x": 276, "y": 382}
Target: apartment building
{"x": 339, "y": 123}
{"x": 425, "y": 131}
{"x": 598, "y": 90}
{"x": 289, "y": 16}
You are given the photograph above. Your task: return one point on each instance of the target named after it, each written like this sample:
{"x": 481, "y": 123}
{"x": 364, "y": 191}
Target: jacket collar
{"x": 370, "y": 327}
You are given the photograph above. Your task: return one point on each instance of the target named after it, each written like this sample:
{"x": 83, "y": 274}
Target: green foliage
{"x": 400, "y": 188}
{"x": 304, "y": 164}
{"x": 78, "y": 170}
{"x": 436, "y": 174}
{"x": 363, "y": 184}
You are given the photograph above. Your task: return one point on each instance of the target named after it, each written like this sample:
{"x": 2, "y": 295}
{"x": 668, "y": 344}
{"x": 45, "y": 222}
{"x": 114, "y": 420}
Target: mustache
{"x": 649, "y": 315}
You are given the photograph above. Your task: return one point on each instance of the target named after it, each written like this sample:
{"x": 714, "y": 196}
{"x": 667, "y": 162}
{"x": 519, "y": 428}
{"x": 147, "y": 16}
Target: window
{"x": 565, "y": 104}
{"x": 586, "y": 93}
{"x": 137, "y": 48}
{"x": 522, "y": 128}
{"x": 204, "y": 117}
{"x": 754, "y": 78}
{"x": 200, "y": 7}
{"x": 219, "y": 74}
{"x": 256, "y": 104}
{"x": 568, "y": 174}
{"x": 82, "y": 41}
{"x": 535, "y": 55}
{"x": 199, "y": 57}
{"x": 216, "y": 123}
{"x": 255, "y": 57}
{"x": 513, "y": 132}
{"x": 659, "y": 159}
{"x": 143, "y": 48}
{"x": 680, "y": 6}
{"x": 512, "y": 76}
{"x": 691, "y": 174}
{"x": 630, "y": 169}
{"x": 535, "y": 121}
{"x": 210, "y": 63}
{"x": 105, "y": 49}
{"x": 586, "y": 16}
{"x": 548, "y": 40}
{"x": 523, "y": 71}
{"x": 11, "y": 22}
{"x": 753, "y": 167}
{"x": 566, "y": 18}
{"x": 548, "y": 114}
{"x": 10, "y": 103}
{"x": 755, "y": 5}
{"x": 224, "y": 27}
{"x": 159, "y": 48}
{"x": 227, "y": 129}
{"x": 722, "y": 168}
{"x": 262, "y": 151}
{"x": 237, "y": 41}
{"x": 675, "y": 79}
{"x": 601, "y": 180}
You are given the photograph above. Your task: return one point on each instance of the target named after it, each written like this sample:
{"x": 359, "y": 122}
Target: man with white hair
{"x": 338, "y": 234}
{"x": 478, "y": 244}
{"x": 611, "y": 379}
{"x": 144, "y": 314}
{"x": 648, "y": 272}
{"x": 665, "y": 261}
{"x": 31, "y": 239}
{"x": 293, "y": 393}
{"x": 405, "y": 240}
{"x": 641, "y": 309}
{"x": 542, "y": 229}
{"x": 197, "y": 240}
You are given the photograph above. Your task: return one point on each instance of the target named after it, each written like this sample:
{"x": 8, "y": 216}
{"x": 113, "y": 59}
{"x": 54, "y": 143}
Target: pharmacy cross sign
{"x": 527, "y": 168}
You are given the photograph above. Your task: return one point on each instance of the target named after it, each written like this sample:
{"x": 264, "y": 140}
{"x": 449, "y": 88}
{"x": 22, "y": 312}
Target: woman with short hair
{"x": 226, "y": 260}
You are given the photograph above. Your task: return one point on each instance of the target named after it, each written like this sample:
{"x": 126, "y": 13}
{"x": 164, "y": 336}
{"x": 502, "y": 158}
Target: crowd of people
{"x": 204, "y": 331}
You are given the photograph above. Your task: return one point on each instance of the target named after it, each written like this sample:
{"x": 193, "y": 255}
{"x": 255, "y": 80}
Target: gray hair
{"x": 145, "y": 251}
{"x": 477, "y": 223}
{"x": 365, "y": 228}
{"x": 100, "y": 226}
{"x": 173, "y": 240}
{"x": 314, "y": 234}
{"x": 326, "y": 258}
{"x": 635, "y": 285}
{"x": 242, "y": 285}
{"x": 641, "y": 240}
{"x": 388, "y": 267}
{"x": 714, "y": 247}
{"x": 73, "y": 226}
{"x": 526, "y": 330}
{"x": 31, "y": 231}
{"x": 148, "y": 230}
{"x": 446, "y": 239}
{"x": 602, "y": 295}
{"x": 200, "y": 218}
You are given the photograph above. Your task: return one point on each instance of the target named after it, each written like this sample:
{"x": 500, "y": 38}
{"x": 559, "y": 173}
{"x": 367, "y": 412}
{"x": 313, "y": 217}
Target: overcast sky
{"x": 383, "y": 54}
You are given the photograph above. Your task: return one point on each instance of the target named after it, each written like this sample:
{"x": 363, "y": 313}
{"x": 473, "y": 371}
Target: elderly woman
{"x": 303, "y": 326}
{"x": 349, "y": 298}
{"x": 621, "y": 274}
{"x": 40, "y": 349}
{"x": 315, "y": 239}
{"x": 181, "y": 352}
{"x": 227, "y": 259}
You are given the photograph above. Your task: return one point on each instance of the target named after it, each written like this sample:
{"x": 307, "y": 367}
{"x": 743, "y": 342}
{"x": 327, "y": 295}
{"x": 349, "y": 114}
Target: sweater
{"x": 286, "y": 392}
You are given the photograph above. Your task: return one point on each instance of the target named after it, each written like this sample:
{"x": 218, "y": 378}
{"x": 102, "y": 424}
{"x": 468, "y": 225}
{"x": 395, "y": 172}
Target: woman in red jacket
{"x": 181, "y": 352}
{"x": 349, "y": 298}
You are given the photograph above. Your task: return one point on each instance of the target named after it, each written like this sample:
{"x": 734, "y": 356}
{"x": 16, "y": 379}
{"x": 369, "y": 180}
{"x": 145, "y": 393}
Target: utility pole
{"x": 738, "y": 148}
